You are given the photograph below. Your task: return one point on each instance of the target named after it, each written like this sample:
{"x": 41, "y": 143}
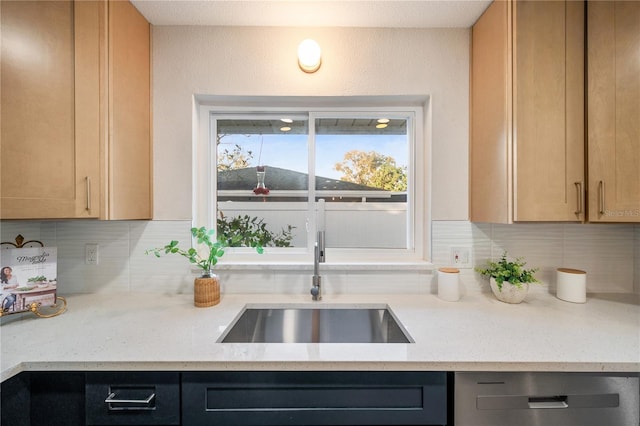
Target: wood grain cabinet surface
{"x": 128, "y": 189}
{"x": 50, "y": 109}
{"x": 613, "y": 118}
{"x": 75, "y": 116}
{"x": 527, "y": 112}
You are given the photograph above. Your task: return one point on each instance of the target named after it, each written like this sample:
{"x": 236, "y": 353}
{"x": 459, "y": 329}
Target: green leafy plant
{"x": 245, "y": 231}
{"x": 512, "y": 272}
{"x": 203, "y": 236}
{"x": 37, "y": 279}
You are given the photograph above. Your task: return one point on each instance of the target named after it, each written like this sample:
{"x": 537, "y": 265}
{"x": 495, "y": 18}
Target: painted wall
{"x": 255, "y": 61}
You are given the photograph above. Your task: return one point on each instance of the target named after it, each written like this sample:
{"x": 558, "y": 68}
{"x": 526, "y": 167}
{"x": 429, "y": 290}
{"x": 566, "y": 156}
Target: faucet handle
{"x": 316, "y": 288}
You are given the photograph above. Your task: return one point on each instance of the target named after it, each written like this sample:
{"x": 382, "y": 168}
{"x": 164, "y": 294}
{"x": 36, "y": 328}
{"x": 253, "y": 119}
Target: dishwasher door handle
{"x": 548, "y": 402}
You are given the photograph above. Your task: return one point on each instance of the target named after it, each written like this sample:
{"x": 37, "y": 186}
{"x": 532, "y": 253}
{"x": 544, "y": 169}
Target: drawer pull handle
{"x": 548, "y": 402}
{"x": 112, "y": 399}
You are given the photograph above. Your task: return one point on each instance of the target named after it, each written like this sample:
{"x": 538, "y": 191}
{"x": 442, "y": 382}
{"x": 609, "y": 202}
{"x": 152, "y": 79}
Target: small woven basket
{"x": 206, "y": 291}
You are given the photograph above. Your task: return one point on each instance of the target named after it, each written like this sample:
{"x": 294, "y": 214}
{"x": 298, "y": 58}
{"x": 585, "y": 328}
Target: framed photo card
{"x": 28, "y": 275}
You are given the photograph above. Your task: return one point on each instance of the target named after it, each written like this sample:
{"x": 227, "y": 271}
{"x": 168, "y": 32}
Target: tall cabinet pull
{"x": 579, "y": 193}
{"x": 88, "y": 185}
{"x": 601, "y": 193}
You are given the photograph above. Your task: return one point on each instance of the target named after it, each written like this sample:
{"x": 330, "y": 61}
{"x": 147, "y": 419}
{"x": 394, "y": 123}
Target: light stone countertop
{"x": 146, "y": 331}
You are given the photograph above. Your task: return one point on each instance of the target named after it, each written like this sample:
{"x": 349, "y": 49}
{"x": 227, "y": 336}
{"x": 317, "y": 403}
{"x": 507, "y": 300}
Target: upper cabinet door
{"x": 129, "y": 191}
{"x": 491, "y": 116}
{"x": 548, "y": 110}
{"x": 50, "y": 94}
{"x": 527, "y": 112}
{"x": 613, "y": 42}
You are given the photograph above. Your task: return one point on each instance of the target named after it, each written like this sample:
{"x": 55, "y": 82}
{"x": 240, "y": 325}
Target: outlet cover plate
{"x": 91, "y": 254}
{"x": 461, "y": 257}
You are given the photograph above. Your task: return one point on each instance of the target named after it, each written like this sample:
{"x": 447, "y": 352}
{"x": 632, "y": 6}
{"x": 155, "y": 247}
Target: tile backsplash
{"x": 609, "y": 253}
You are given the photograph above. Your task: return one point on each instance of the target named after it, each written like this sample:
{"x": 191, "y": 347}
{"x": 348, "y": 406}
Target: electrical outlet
{"x": 461, "y": 257}
{"x": 91, "y": 254}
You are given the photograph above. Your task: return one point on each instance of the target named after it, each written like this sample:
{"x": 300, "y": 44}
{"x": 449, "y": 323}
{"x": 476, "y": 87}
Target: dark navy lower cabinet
{"x": 43, "y": 399}
{"x": 314, "y": 398}
{"x": 227, "y": 398}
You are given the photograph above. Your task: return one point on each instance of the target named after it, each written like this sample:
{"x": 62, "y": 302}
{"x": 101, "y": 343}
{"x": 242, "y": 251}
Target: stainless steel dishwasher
{"x": 549, "y": 399}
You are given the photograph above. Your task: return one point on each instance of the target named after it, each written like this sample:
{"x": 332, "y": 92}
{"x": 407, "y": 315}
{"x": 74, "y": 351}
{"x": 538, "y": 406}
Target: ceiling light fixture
{"x": 383, "y": 120}
{"x": 285, "y": 129}
{"x": 286, "y": 120}
{"x": 309, "y": 56}
{"x": 381, "y": 125}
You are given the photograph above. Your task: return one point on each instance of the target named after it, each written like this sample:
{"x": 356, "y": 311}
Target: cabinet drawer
{"x": 314, "y": 398}
{"x": 133, "y": 398}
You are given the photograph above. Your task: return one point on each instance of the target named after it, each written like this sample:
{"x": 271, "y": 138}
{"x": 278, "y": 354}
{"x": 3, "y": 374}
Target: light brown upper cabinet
{"x": 613, "y": 118}
{"x": 75, "y": 92}
{"x": 127, "y": 193}
{"x": 50, "y": 126}
{"x": 527, "y": 112}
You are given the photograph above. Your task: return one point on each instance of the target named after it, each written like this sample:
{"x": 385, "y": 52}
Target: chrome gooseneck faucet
{"x": 316, "y": 282}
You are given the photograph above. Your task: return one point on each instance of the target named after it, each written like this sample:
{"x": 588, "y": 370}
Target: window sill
{"x": 327, "y": 267}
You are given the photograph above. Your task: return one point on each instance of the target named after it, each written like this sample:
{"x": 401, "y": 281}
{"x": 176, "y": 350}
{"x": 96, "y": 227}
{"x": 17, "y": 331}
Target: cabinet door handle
{"x": 87, "y": 180}
{"x": 113, "y": 399}
{"x": 601, "y": 196}
{"x": 579, "y": 193}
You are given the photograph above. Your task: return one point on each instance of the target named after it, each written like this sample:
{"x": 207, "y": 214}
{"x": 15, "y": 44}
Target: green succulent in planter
{"x": 511, "y": 272}
{"x": 203, "y": 236}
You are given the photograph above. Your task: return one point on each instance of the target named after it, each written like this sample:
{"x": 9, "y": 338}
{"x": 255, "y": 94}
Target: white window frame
{"x": 419, "y": 167}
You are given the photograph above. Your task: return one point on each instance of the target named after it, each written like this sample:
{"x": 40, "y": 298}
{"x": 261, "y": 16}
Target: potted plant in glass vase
{"x": 509, "y": 280}
{"x": 207, "y": 286}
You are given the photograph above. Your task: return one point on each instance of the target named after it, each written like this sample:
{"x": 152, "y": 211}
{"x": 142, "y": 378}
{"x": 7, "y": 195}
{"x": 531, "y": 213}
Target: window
{"x": 262, "y": 178}
{"x": 287, "y": 173}
{"x": 362, "y": 166}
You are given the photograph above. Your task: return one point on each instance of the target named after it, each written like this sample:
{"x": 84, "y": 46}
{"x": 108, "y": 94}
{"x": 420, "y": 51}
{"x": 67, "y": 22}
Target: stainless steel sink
{"x": 313, "y": 324}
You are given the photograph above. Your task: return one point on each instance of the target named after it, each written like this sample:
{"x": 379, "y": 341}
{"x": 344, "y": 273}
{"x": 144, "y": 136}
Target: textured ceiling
{"x": 314, "y": 13}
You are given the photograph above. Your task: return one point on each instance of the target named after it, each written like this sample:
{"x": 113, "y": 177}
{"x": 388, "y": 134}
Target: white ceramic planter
{"x": 509, "y": 293}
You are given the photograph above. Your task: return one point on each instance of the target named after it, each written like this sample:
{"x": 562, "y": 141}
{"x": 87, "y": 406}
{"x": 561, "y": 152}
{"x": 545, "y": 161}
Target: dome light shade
{"x": 309, "y": 56}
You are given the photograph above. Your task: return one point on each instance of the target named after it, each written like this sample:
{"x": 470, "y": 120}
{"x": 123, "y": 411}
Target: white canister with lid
{"x": 571, "y": 285}
{"x": 448, "y": 284}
